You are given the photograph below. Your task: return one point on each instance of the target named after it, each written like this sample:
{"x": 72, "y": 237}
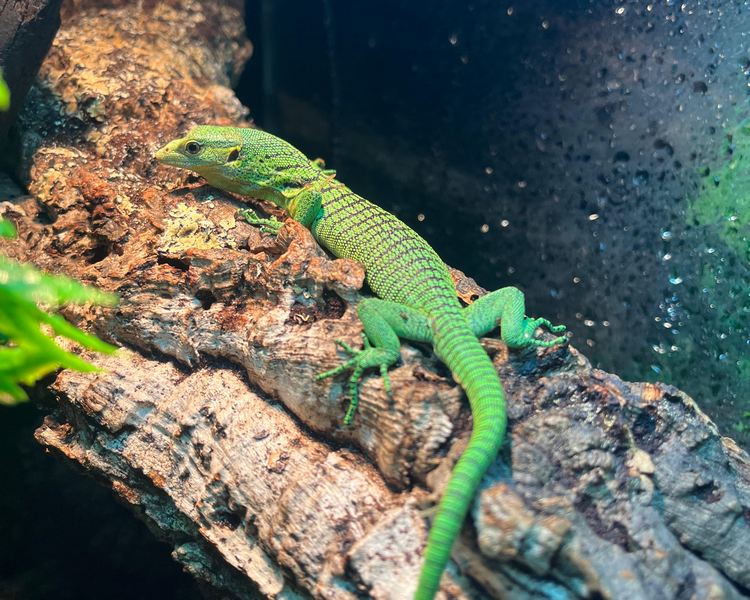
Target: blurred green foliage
{"x": 4, "y": 93}
{"x": 724, "y": 203}
{"x": 27, "y": 348}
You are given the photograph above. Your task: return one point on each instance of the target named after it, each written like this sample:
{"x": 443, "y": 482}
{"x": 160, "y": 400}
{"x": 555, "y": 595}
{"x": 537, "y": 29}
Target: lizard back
{"x": 400, "y": 265}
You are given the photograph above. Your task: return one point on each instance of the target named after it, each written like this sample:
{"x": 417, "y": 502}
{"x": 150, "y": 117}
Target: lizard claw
{"x": 346, "y": 347}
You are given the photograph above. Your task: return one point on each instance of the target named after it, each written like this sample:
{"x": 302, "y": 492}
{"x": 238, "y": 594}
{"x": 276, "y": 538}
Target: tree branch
{"x": 212, "y": 426}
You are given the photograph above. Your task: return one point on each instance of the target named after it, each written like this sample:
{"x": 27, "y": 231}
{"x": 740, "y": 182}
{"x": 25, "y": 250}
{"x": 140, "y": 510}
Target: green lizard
{"x": 417, "y": 298}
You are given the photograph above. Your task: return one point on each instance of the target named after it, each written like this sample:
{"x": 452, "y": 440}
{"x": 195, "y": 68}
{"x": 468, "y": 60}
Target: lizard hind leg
{"x": 384, "y": 323}
{"x": 507, "y": 307}
{"x": 320, "y": 164}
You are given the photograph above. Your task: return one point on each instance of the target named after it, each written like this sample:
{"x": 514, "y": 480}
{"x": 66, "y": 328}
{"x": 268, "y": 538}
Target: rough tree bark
{"x": 210, "y": 424}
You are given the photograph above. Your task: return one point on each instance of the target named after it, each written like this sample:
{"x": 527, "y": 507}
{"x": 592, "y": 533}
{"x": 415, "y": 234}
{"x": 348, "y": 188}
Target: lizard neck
{"x": 279, "y": 197}
{"x": 280, "y": 187}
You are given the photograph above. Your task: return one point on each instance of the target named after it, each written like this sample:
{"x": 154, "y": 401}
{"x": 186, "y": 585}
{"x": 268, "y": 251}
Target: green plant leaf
{"x": 26, "y": 281}
{"x": 4, "y": 93}
{"x": 27, "y": 347}
{"x": 7, "y": 229}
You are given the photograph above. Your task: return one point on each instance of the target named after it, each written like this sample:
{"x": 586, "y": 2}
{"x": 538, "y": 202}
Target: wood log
{"x": 211, "y": 426}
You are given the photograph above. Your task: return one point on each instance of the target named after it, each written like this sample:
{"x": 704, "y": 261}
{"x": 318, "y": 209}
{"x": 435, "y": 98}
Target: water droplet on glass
{"x": 640, "y": 178}
{"x": 593, "y": 217}
{"x": 700, "y": 87}
{"x": 484, "y": 228}
{"x": 504, "y": 223}
{"x": 510, "y": 11}
{"x": 521, "y": 184}
{"x": 675, "y": 280}
{"x": 613, "y": 85}
{"x": 545, "y": 24}
{"x": 453, "y": 39}
{"x": 489, "y": 170}
{"x": 420, "y": 217}
{"x": 620, "y": 10}
{"x": 666, "y": 235}
{"x": 621, "y": 156}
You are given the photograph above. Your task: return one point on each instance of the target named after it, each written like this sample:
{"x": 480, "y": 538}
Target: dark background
{"x": 552, "y": 145}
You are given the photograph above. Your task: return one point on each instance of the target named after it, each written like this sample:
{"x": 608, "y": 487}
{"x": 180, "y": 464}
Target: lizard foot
{"x": 271, "y": 225}
{"x": 360, "y": 360}
{"x": 530, "y": 326}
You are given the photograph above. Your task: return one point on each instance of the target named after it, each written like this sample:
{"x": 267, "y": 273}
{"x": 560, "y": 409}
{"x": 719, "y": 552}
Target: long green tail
{"x": 460, "y": 350}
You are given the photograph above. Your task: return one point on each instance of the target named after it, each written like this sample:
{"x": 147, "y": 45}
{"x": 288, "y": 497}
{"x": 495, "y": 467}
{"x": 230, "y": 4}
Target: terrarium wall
{"x": 593, "y": 153}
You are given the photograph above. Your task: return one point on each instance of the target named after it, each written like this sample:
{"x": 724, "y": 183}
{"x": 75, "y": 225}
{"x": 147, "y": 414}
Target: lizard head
{"x": 204, "y": 149}
{"x": 241, "y": 160}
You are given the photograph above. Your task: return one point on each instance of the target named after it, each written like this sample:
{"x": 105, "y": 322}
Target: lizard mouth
{"x": 167, "y": 155}
{"x": 160, "y": 154}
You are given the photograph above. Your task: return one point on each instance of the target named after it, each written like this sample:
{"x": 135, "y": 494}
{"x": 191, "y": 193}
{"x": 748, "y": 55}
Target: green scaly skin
{"x": 417, "y": 299}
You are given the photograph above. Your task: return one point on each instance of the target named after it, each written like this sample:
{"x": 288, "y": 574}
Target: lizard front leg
{"x": 507, "y": 307}
{"x": 384, "y": 323}
{"x": 303, "y": 206}
{"x": 271, "y": 225}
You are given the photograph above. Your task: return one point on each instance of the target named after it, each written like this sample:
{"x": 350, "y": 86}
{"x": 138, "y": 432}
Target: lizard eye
{"x": 192, "y": 148}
